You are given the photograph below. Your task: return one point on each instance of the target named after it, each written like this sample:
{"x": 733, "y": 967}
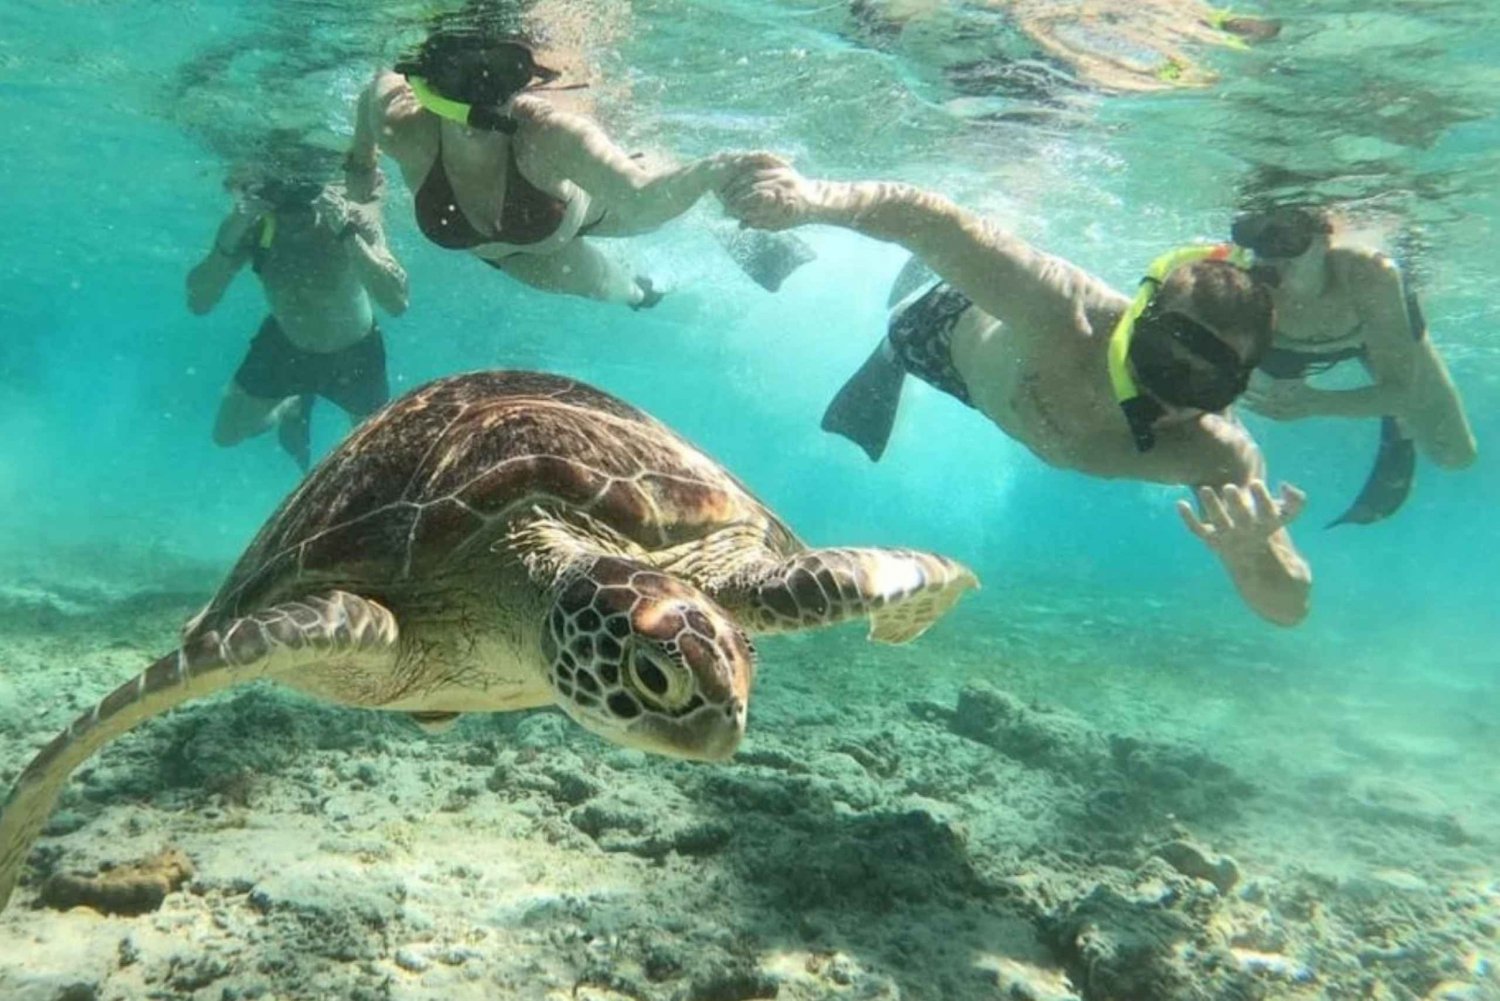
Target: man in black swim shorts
{"x": 1088, "y": 378}
{"x": 320, "y": 259}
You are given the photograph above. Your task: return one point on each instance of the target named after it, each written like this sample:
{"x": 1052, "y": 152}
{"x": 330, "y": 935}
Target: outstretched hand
{"x": 772, "y": 196}
{"x": 1237, "y": 518}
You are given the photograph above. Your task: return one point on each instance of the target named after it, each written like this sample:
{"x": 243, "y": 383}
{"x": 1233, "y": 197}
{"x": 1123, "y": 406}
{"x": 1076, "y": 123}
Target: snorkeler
{"x": 1083, "y": 376}
{"x": 1337, "y": 303}
{"x": 501, "y": 170}
{"x": 320, "y": 261}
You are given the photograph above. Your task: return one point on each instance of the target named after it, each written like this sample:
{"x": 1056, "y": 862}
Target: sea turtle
{"x": 503, "y": 540}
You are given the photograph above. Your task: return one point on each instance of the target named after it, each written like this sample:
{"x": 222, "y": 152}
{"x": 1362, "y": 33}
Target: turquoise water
{"x": 120, "y": 117}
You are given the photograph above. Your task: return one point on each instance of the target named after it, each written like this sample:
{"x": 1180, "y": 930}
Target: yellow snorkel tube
{"x": 472, "y": 115}
{"x": 443, "y": 107}
{"x": 1141, "y": 410}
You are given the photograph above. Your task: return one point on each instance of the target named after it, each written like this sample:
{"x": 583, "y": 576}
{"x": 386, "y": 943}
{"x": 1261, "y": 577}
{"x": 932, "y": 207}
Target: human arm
{"x": 208, "y": 279}
{"x": 385, "y": 108}
{"x": 638, "y": 198}
{"x": 1003, "y": 275}
{"x": 580, "y": 268}
{"x": 1397, "y": 357}
{"x": 1294, "y": 399}
{"x": 360, "y": 229}
{"x": 1247, "y": 529}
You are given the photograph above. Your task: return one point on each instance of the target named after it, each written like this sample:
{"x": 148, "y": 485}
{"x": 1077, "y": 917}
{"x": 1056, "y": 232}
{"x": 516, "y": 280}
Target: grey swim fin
{"x": 767, "y": 258}
{"x": 913, "y": 275}
{"x": 864, "y": 410}
{"x": 1389, "y": 482}
{"x": 1390, "y": 479}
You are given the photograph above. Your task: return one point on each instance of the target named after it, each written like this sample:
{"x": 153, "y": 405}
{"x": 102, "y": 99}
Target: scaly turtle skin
{"x": 504, "y": 540}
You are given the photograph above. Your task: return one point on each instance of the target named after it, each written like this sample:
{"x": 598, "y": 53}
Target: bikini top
{"x": 528, "y": 214}
{"x": 1290, "y": 363}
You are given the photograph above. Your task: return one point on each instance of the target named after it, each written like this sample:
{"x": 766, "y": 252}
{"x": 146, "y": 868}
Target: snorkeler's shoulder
{"x": 392, "y": 102}
{"x": 1364, "y": 269}
{"x": 534, "y": 110}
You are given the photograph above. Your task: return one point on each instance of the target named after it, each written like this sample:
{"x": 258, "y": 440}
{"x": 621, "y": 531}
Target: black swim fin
{"x": 294, "y": 431}
{"x": 913, "y": 275}
{"x": 1389, "y": 482}
{"x": 767, "y": 258}
{"x": 864, "y": 410}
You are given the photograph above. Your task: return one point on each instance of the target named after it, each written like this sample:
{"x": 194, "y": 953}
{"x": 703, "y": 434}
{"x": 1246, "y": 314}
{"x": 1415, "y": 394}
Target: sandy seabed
{"x": 1031, "y": 803}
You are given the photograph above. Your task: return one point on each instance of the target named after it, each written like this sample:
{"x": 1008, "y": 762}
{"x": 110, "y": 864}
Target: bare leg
{"x": 1436, "y": 419}
{"x": 243, "y": 416}
{"x": 579, "y": 268}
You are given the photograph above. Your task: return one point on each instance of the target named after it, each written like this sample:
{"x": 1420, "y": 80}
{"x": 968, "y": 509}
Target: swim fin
{"x": 767, "y": 258}
{"x": 913, "y": 275}
{"x": 864, "y": 410}
{"x": 1390, "y": 480}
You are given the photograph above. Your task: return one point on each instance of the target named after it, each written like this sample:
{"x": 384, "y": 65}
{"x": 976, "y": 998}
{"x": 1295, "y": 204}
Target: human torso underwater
{"x": 486, "y": 193}
{"x": 1328, "y": 319}
{"x": 308, "y": 275}
{"x": 1047, "y": 387}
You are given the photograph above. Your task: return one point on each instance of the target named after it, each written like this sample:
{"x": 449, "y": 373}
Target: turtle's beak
{"x": 709, "y": 733}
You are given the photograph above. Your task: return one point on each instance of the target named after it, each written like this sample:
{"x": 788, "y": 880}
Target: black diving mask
{"x": 1181, "y": 362}
{"x": 1278, "y": 234}
{"x": 477, "y": 71}
{"x": 286, "y": 194}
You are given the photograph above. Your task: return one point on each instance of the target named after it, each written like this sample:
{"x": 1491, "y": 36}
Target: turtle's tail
{"x": 864, "y": 410}
{"x": 266, "y": 643}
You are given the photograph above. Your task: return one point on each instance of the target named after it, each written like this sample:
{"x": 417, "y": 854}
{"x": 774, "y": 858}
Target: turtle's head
{"x": 648, "y": 661}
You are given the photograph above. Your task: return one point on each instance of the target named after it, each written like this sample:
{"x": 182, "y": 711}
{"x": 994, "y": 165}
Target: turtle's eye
{"x": 658, "y": 679}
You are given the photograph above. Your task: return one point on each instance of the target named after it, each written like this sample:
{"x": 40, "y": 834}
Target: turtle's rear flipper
{"x": 335, "y": 628}
{"x": 864, "y": 411}
{"x": 902, "y": 591}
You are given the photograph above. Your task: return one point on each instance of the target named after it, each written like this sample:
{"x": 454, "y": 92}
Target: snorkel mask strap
{"x": 1141, "y": 410}
{"x": 474, "y": 116}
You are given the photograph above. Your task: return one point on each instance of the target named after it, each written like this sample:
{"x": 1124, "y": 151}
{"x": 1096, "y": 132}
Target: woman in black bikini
{"x": 1337, "y": 303}
{"x": 502, "y": 171}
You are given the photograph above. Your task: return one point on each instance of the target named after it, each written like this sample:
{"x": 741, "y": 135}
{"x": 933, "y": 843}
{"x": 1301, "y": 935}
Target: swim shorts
{"x": 921, "y": 338}
{"x": 353, "y": 377}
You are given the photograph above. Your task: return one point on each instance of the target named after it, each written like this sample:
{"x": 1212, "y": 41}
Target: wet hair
{"x": 1282, "y": 231}
{"x": 481, "y": 55}
{"x": 284, "y": 168}
{"x": 1231, "y": 301}
{"x": 1201, "y": 335}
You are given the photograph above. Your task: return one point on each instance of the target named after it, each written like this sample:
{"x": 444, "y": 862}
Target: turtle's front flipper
{"x": 901, "y": 590}
{"x": 333, "y": 629}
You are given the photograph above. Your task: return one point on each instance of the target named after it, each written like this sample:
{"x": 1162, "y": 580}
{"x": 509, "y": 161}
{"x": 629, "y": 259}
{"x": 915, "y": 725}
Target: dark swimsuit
{"x": 921, "y": 338}
{"x": 1290, "y": 363}
{"x": 274, "y": 368}
{"x": 353, "y": 377}
{"x": 1390, "y": 479}
{"x": 528, "y": 215}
